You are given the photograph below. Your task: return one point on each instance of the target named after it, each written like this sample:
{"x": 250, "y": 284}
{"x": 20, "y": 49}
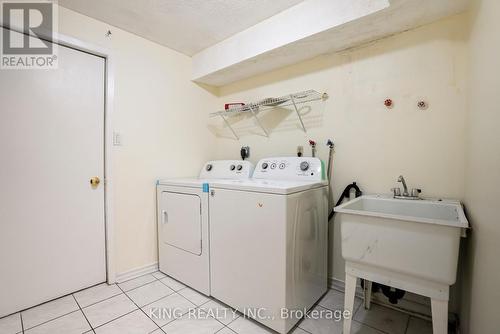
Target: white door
{"x": 52, "y": 232}
{"x": 181, "y": 221}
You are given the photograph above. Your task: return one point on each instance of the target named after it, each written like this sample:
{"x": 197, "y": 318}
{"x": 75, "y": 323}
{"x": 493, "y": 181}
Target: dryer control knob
{"x": 304, "y": 165}
{"x": 232, "y": 167}
{"x": 264, "y": 165}
{"x": 208, "y": 168}
{"x": 239, "y": 167}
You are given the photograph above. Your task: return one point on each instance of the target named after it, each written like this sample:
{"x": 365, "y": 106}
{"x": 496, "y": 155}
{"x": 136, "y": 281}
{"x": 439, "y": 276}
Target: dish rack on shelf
{"x": 253, "y": 108}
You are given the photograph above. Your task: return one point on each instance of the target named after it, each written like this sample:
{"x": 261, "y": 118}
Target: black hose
{"x": 346, "y": 194}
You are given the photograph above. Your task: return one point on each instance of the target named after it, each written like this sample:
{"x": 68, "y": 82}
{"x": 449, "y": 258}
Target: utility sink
{"x": 418, "y": 238}
{"x": 440, "y": 212}
{"x": 406, "y": 244}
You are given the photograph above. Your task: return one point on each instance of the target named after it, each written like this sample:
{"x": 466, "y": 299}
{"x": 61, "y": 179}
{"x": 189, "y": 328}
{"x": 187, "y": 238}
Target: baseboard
{"x": 136, "y": 272}
{"x": 339, "y": 285}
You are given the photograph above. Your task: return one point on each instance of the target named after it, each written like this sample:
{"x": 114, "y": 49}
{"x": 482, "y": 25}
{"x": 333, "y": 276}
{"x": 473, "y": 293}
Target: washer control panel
{"x": 289, "y": 168}
{"x": 227, "y": 169}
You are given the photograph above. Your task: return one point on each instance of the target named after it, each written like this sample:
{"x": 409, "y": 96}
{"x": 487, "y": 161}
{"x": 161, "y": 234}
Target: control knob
{"x": 240, "y": 167}
{"x": 304, "y": 165}
{"x": 264, "y": 165}
{"x": 232, "y": 167}
{"x": 209, "y": 167}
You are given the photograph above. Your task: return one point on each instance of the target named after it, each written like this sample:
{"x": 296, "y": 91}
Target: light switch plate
{"x": 117, "y": 138}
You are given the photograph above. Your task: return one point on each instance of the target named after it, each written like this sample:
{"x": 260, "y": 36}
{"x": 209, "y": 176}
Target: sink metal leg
{"x": 368, "y": 294}
{"x": 439, "y": 316}
{"x": 350, "y": 291}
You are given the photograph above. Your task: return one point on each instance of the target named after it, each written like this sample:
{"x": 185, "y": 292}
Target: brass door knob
{"x": 95, "y": 181}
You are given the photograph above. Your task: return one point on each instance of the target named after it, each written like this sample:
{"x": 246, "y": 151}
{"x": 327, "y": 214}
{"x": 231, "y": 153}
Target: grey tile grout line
{"x": 60, "y": 316}
{"x": 45, "y": 322}
{"x": 174, "y": 293}
{"x": 407, "y": 324}
{"x": 303, "y": 329}
{"x": 89, "y": 305}
{"x": 370, "y": 326}
{"x": 212, "y": 317}
{"x": 158, "y": 271}
{"x": 329, "y": 309}
{"x": 22, "y": 324}
{"x": 199, "y": 306}
{"x": 154, "y": 301}
{"x": 316, "y": 304}
{"x": 196, "y": 306}
{"x": 107, "y": 322}
{"x": 171, "y": 287}
{"x": 159, "y": 279}
{"x": 362, "y": 323}
{"x": 137, "y": 287}
{"x": 227, "y": 325}
{"x": 143, "y": 306}
{"x": 140, "y": 286}
{"x": 89, "y": 287}
{"x": 49, "y": 301}
{"x": 81, "y": 310}
{"x": 357, "y": 309}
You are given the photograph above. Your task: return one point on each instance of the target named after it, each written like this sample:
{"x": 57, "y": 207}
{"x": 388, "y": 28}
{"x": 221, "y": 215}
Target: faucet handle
{"x": 415, "y": 192}
{"x": 396, "y": 191}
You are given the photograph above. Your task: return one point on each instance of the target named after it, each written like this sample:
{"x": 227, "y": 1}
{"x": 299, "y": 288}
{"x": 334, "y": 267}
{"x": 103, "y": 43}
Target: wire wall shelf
{"x": 292, "y": 100}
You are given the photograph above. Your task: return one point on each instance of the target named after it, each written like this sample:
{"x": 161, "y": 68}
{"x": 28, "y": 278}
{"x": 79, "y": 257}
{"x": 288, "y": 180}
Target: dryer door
{"x": 180, "y": 219}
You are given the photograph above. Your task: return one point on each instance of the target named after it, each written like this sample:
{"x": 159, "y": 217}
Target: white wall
{"x": 480, "y": 293}
{"x": 373, "y": 145}
{"x": 162, "y": 117}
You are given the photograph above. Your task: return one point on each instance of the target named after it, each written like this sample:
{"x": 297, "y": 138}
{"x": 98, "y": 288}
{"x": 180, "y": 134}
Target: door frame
{"x": 106, "y": 54}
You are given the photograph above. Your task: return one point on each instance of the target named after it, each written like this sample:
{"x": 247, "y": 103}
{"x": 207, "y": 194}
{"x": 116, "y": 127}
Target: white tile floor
{"x": 125, "y": 308}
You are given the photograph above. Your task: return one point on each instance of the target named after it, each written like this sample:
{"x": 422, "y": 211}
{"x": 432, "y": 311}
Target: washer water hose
{"x": 393, "y": 294}
{"x": 330, "y": 145}
{"x": 312, "y": 143}
{"x": 346, "y": 194}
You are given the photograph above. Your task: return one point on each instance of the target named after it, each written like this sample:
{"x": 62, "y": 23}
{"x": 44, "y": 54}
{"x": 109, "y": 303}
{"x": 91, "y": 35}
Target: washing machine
{"x": 268, "y": 240}
{"x": 183, "y": 222}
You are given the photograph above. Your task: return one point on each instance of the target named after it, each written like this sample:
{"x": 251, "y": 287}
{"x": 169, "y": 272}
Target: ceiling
{"x": 340, "y": 25}
{"x": 187, "y": 26}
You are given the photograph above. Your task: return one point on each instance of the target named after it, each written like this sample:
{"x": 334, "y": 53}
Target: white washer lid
{"x": 282, "y": 187}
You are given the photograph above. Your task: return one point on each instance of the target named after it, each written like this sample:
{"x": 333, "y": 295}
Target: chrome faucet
{"x": 415, "y": 192}
{"x": 405, "y": 188}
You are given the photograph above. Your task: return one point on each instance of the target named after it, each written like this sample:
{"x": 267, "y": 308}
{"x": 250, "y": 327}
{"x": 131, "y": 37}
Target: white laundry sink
{"x": 403, "y": 238}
